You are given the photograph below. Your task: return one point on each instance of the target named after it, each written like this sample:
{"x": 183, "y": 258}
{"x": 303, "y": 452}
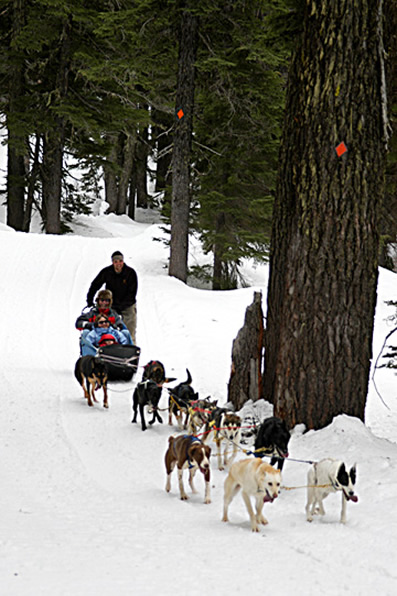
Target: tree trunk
{"x": 52, "y": 177}
{"x": 388, "y": 224}
{"x": 109, "y": 175}
{"x": 247, "y": 353}
{"x": 180, "y": 202}
{"x": 324, "y": 247}
{"x": 218, "y": 249}
{"x": 16, "y": 144}
{"x": 141, "y": 170}
{"x": 54, "y": 140}
{"x": 127, "y": 157}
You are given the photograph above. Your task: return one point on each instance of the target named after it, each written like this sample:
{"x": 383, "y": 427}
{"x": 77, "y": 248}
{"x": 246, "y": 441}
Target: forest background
{"x": 104, "y": 88}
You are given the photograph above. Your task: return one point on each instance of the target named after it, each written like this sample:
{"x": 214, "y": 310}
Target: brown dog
{"x": 187, "y": 451}
{"x": 91, "y": 372}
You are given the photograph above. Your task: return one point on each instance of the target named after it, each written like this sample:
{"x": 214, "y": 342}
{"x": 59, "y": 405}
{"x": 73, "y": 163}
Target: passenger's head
{"x": 106, "y": 340}
{"x": 104, "y": 299}
{"x": 102, "y": 321}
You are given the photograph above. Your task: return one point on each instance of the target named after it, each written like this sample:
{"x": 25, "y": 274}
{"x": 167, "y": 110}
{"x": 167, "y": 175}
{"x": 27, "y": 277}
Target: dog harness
{"x": 192, "y": 439}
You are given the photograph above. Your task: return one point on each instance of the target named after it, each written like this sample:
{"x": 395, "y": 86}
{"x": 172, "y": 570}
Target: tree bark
{"x": 141, "y": 170}
{"x": 54, "y": 140}
{"x": 110, "y": 176}
{"x": 324, "y": 247}
{"x": 218, "y": 249}
{"x": 127, "y": 158}
{"x": 180, "y": 201}
{"x": 16, "y": 144}
{"x": 247, "y": 354}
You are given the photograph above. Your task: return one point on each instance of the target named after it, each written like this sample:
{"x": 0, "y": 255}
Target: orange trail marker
{"x": 180, "y": 114}
{"x": 341, "y": 149}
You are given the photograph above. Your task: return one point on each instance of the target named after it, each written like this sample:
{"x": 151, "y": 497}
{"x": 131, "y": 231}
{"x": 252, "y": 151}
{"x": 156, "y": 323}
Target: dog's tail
{"x": 171, "y": 440}
{"x": 189, "y": 378}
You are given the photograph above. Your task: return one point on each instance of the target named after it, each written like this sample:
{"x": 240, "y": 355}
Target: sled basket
{"x": 121, "y": 361}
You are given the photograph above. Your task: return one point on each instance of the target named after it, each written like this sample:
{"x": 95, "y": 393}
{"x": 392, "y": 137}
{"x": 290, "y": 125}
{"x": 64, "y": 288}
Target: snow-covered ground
{"x": 83, "y": 506}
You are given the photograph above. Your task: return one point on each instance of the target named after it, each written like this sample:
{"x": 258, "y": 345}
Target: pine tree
{"x": 324, "y": 248}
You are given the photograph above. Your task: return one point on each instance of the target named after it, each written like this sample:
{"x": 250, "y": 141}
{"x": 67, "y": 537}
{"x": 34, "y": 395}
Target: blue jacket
{"x": 95, "y": 335}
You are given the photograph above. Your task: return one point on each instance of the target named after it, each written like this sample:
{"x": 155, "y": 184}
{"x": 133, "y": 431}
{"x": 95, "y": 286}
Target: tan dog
{"x": 188, "y": 452}
{"x": 255, "y": 479}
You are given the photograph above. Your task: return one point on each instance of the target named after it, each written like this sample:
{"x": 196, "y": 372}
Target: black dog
{"x": 91, "y": 372}
{"x": 272, "y": 439}
{"x": 146, "y": 393}
{"x": 180, "y": 400}
{"x": 155, "y": 371}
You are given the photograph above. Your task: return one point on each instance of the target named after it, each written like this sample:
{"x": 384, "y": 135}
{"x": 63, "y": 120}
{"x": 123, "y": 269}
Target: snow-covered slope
{"x": 84, "y": 510}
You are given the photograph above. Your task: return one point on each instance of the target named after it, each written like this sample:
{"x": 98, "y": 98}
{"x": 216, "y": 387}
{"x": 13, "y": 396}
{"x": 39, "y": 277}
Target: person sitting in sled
{"x": 92, "y": 339}
{"x": 107, "y": 340}
{"x": 104, "y": 300}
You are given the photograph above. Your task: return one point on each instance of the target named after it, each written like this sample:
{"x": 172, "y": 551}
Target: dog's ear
{"x": 342, "y": 476}
{"x": 353, "y": 474}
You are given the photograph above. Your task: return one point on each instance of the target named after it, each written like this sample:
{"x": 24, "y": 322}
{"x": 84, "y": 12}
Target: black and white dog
{"x": 325, "y": 477}
{"x": 180, "y": 399}
{"x": 146, "y": 393}
{"x": 272, "y": 439}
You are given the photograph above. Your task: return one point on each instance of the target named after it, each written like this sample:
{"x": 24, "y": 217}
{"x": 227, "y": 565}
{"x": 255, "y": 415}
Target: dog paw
{"x": 207, "y": 501}
{"x": 264, "y": 521}
{"x": 184, "y": 498}
{"x": 106, "y": 405}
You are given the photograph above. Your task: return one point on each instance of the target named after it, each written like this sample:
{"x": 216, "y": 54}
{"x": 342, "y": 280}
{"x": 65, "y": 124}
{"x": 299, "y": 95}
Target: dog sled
{"x": 121, "y": 361}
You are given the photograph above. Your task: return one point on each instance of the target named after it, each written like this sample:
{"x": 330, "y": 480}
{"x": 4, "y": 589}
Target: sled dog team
{"x": 258, "y": 482}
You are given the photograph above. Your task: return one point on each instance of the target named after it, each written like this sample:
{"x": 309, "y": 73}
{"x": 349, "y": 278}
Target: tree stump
{"x": 247, "y": 355}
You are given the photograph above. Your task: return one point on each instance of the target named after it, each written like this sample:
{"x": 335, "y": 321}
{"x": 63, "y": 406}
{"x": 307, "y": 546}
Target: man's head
{"x": 118, "y": 261}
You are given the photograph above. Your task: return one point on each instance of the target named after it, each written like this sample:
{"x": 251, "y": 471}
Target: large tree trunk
{"x": 54, "y": 140}
{"x": 16, "y": 144}
{"x": 324, "y": 247}
{"x": 389, "y": 212}
{"x": 53, "y": 143}
{"x": 180, "y": 202}
{"x": 247, "y": 353}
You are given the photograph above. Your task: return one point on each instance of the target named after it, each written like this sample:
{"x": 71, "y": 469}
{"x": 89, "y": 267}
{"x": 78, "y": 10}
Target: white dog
{"x": 325, "y": 477}
{"x": 256, "y": 479}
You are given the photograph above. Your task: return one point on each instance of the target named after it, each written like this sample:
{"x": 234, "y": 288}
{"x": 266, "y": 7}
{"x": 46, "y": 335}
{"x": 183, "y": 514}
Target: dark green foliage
{"x": 122, "y": 57}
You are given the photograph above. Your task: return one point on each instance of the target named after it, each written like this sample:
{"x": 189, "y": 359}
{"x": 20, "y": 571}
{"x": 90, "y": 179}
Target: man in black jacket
{"x": 122, "y": 281}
